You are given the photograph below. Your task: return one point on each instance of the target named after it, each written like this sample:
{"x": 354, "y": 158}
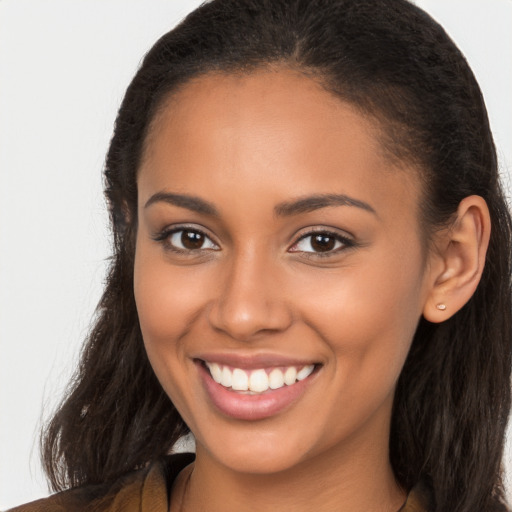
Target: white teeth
{"x": 216, "y": 372}
{"x": 257, "y": 381}
{"x": 226, "y": 377}
{"x": 275, "y": 379}
{"x": 305, "y": 372}
{"x": 240, "y": 380}
{"x": 290, "y": 376}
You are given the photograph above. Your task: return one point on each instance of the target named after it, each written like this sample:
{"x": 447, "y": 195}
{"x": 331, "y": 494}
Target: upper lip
{"x": 253, "y": 361}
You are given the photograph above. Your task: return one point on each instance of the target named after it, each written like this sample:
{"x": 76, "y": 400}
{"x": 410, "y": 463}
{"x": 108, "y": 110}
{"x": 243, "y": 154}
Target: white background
{"x": 64, "y": 66}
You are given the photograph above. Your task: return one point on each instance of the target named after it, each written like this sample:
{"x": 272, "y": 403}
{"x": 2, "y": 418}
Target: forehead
{"x": 280, "y": 126}
{"x": 259, "y": 107}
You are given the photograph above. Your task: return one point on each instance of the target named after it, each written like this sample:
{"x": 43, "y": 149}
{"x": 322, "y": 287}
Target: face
{"x": 279, "y": 270}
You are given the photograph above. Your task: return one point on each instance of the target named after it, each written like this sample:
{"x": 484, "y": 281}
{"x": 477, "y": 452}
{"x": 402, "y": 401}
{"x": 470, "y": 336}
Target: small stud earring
{"x": 441, "y": 307}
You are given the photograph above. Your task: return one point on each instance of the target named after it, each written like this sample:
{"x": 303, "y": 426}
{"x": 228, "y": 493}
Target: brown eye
{"x": 190, "y": 240}
{"x": 323, "y": 242}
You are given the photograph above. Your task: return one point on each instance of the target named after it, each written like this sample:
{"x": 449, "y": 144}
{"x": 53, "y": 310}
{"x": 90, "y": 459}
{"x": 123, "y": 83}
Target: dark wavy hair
{"x": 391, "y": 61}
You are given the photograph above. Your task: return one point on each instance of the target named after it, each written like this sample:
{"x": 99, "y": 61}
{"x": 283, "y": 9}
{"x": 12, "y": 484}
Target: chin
{"x": 256, "y": 460}
{"x": 259, "y": 448}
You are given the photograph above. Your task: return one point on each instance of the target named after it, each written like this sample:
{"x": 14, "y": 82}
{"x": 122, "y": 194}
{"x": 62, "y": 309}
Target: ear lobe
{"x": 461, "y": 251}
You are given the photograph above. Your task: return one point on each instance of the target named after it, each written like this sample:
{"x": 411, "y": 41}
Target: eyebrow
{"x": 316, "y": 202}
{"x": 286, "y": 209}
{"x": 193, "y": 203}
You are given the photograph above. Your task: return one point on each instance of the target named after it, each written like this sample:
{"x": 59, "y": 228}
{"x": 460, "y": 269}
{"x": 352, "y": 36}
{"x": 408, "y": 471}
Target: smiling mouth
{"x": 259, "y": 380}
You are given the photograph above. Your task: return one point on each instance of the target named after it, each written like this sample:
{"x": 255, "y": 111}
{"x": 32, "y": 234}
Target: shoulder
{"x": 420, "y": 499}
{"x": 123, "y": 493}
{"x": 142, "y": 490}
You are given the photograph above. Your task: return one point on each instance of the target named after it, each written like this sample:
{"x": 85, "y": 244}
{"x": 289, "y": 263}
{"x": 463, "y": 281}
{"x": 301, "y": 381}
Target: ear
{"x": 457, "y": 265}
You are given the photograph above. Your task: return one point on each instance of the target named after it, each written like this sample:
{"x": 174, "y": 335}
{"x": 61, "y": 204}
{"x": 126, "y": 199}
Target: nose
{"x": 250, "y": 300}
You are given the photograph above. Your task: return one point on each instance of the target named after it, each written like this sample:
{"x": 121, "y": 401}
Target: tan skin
{"x": 256, "y": 281}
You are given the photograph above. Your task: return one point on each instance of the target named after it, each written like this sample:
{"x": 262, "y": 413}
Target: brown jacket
{"x": 147, "y": 490}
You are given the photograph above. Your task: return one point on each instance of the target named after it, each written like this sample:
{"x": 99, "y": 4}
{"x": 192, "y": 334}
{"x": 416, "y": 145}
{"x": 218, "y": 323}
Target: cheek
{"x": 368, "y": 313}
{"x": 367, "y": 320}
{"x": 167, "y": 302}
{"x": 167, "y": 297}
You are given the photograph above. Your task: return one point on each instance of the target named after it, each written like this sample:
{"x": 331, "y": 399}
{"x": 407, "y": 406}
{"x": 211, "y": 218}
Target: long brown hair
{"x": 392, "y": 61}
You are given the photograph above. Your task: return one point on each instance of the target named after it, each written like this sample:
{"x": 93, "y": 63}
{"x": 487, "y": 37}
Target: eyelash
{"x": 165, "y": 236}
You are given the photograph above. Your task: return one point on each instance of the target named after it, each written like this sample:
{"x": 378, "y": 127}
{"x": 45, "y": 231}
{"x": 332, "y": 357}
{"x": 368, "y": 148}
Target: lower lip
{"x": 247, "y": 407}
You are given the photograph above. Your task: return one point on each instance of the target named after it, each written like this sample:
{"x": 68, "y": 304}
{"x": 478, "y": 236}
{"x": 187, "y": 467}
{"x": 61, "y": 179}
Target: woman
{"x": 305, "y": 274}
